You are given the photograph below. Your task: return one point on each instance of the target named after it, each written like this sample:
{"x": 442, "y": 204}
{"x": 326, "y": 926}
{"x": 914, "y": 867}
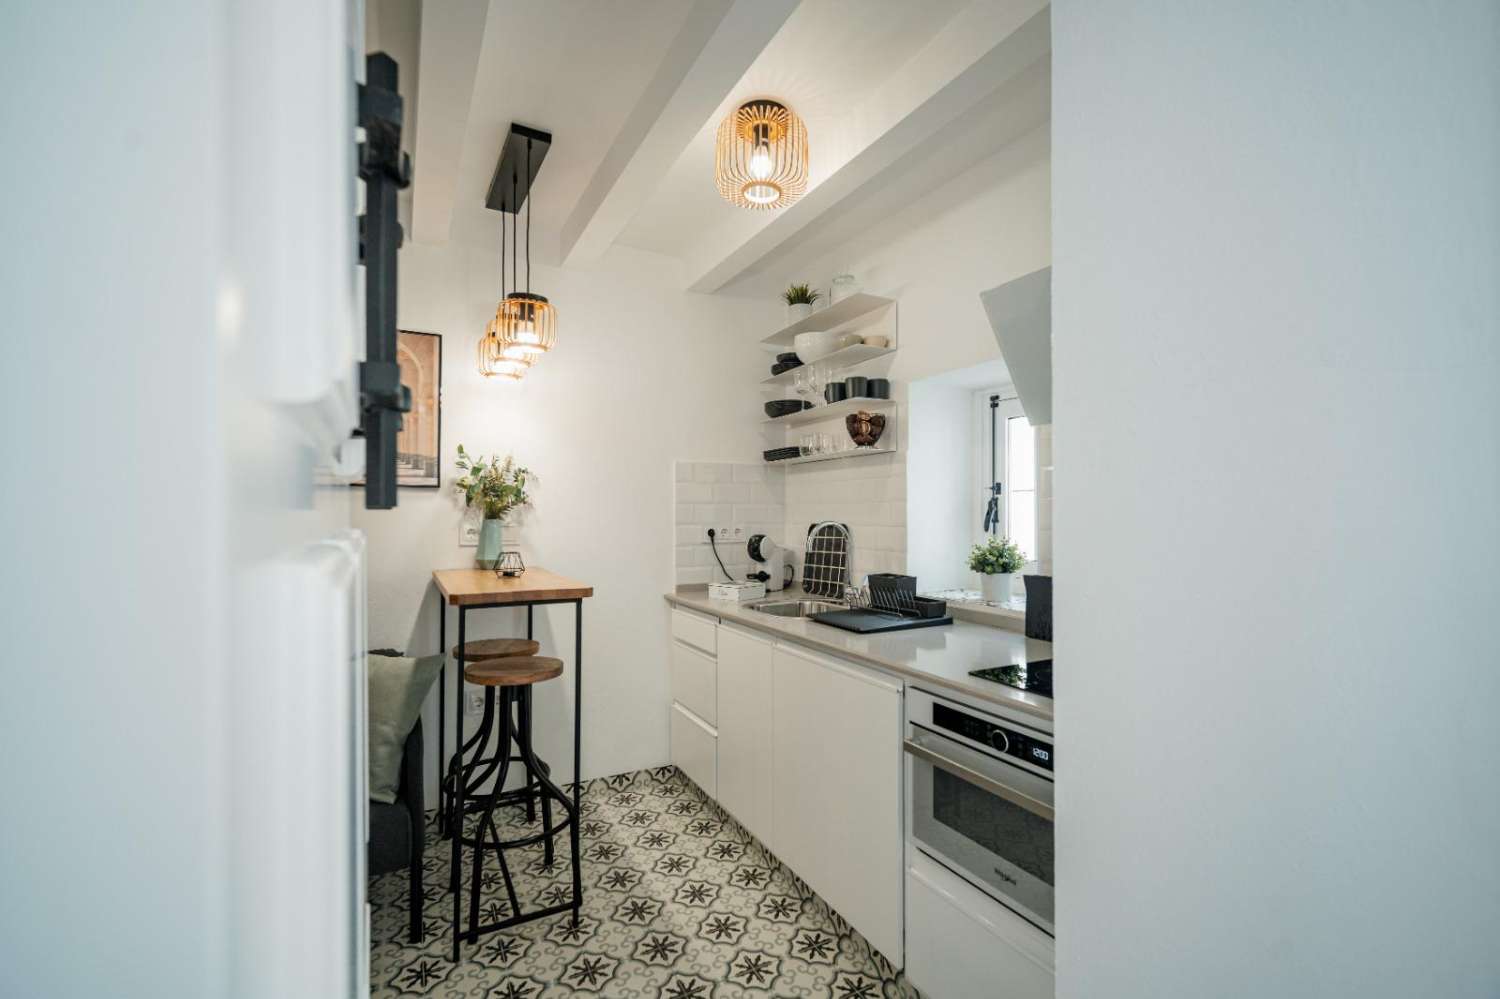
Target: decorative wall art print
{"x": 420, "y": 356}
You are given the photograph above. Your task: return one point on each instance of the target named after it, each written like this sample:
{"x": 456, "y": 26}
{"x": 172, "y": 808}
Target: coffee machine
{"x": 780, "y": 564}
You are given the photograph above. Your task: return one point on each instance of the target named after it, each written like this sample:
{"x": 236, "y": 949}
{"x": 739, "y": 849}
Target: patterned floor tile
{"x": 679, "y": 903}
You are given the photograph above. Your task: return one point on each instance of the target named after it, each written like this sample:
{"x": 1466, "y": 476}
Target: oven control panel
{"x": 1008, "y": 741}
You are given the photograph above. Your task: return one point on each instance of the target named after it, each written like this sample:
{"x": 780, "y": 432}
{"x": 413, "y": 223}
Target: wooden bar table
{"x": 481, "y": 589}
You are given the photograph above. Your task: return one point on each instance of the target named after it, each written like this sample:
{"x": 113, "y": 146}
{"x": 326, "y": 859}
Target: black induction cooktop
{"x": 1033, "y": 677}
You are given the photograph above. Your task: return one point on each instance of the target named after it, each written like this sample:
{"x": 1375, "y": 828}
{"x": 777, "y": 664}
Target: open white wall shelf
{"x": 857, "y": 452}
{"x": 856, "y": 306}
{"x": 844, "y": 357}
{"x": 839, "y": 409}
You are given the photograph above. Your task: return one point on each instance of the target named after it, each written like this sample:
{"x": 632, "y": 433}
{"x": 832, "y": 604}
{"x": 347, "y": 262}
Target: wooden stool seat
{"x": 513, "y": 671}
{"x": 495, "y": 648}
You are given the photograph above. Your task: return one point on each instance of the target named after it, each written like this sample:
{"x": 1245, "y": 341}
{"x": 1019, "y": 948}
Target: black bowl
{"x": 790, "y": 357}
{"x": 781, "y": 366}
{"x": 785, "y": 407}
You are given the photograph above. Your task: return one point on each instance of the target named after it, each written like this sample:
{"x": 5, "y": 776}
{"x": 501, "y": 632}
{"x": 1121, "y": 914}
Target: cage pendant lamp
{"x": 760, "y": 157}
{"x": 495, "y": 361}
{"x": 526, "y": 322}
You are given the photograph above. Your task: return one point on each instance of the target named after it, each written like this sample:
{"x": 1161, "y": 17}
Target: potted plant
{"x": 799, "y": 302}
{"x": 498, "y": 487}
{"x": 998, "y": 560}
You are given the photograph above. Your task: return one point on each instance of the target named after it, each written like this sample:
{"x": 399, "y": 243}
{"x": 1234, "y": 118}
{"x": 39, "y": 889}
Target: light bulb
{"x": 760, "y": 163}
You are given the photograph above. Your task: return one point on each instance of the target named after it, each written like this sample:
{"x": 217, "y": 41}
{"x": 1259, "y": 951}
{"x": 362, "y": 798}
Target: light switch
{"x": 468, "y": 534}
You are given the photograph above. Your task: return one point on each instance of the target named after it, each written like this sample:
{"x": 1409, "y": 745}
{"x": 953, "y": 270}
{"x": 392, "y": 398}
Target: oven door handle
{"x": 1010, "y": 794}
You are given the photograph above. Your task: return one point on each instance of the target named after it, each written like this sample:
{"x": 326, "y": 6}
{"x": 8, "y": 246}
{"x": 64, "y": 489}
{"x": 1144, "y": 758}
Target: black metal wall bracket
{"x": 385, "y": 169}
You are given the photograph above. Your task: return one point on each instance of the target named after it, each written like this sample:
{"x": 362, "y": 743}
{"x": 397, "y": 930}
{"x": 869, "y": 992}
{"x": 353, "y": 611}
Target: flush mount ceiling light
{"x": 760, "y": 158}
{"x": 525, "y": 324}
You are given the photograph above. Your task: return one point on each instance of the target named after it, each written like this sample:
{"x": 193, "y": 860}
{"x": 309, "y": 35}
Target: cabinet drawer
{"x": 696, "y": 630}
{"x": 694, "y": 682}
{"x": 960, "y": 942}
{"x": 694, "y": 748}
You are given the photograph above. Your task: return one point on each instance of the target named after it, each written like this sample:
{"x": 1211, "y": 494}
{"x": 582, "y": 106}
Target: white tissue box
{"x": 736, "y": 591}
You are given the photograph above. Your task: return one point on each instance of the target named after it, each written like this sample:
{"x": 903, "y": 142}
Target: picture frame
{"x": 419, "y": 445}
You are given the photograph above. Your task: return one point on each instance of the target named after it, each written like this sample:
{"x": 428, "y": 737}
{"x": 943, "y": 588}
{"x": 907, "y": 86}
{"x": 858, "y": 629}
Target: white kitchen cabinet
{"x": 744, "y": 727}
{"x": 694, "y": 681}
{"x": 697, "y": 630}
{"x": 694, "y": 748}
{"x": 836, "y": 788}
{"x": 962, "y": 943}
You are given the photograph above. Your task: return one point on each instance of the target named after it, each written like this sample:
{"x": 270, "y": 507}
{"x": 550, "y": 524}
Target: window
{"x": 1013, "y": 462}
{"x": 1020, "y": 470}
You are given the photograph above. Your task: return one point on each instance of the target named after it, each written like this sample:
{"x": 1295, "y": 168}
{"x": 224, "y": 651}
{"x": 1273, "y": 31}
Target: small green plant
{"x": 800, "y": 294}
{"x": 997, "y": 555}
{"x": 497, "y": 486}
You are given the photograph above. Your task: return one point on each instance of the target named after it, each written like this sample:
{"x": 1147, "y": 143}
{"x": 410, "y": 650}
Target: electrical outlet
{"x": 468, "y": 534}
{"x": 474, "y": 702}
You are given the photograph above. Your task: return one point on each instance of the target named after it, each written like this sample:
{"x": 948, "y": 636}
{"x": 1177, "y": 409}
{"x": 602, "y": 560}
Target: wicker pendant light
{"x": 495, "y": 361}
{"x": 526, "y": 322}
{"x": 760, "y": 157}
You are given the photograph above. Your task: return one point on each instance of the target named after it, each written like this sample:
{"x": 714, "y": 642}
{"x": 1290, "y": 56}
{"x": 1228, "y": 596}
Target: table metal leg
{"x": 577, "y": 745}
{"x": 442, "y": 705}
{"x": 457, "y": 832}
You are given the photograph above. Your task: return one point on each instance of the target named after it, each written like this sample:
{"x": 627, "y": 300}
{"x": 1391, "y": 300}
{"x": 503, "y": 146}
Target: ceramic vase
{"x": 491, "y": 536}
{"x": 998, "y": 587}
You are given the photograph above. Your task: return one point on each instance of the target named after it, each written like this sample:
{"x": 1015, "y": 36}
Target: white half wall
{"x": 643, "y": 374}
{"x": 1277, "y": 350}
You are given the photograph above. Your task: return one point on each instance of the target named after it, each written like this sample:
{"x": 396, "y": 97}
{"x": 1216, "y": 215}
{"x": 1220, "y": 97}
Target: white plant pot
{"x": 797, "y": 313}
{"x": 998, "y": 587}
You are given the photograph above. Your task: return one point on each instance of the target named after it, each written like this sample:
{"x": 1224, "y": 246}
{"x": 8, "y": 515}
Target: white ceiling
{"x": 890, "y": 89}
{"x": 571, "y": 67}
{"x": 823, "y": 62}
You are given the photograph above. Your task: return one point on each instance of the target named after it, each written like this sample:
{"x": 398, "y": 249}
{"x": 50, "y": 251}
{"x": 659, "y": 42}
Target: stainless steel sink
{"x": 797, "y": 608}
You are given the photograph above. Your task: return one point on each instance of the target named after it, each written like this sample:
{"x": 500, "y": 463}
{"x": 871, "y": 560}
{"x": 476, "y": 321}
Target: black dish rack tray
{"x": 894, "y": 606}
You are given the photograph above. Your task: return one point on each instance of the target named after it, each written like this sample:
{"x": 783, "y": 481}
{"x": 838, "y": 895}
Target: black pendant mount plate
{"x": 504, "y": 197}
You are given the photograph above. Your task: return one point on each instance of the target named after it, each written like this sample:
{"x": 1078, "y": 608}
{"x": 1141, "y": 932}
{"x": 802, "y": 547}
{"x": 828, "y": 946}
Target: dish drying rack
{"x": 825, "y": 566}
{"x": 894, "y": 594}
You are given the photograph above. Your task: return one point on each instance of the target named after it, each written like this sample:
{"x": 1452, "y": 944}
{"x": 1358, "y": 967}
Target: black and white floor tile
{"x": 679, "y": 903}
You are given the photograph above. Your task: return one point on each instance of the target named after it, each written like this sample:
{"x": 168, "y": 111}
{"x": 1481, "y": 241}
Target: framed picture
{"x": 419, "y": 444}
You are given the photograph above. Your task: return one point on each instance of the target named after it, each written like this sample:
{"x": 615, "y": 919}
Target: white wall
{"x": 1277, "y": 352}
{"x": 643, "y": 374}
{"x": 940, "y": 484}
{"x": 989, "y": 225}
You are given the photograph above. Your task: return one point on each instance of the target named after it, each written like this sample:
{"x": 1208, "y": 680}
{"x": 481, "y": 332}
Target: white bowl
{"x": 813, "y": 347}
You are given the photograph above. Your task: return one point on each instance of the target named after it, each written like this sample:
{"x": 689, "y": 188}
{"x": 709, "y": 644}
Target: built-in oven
{"x": 980, "y": 800}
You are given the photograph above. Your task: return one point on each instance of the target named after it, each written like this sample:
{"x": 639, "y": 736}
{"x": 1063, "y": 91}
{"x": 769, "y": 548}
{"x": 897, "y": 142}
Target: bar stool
{"x": 513, "y": 677}
{"x": 485, "y": 649}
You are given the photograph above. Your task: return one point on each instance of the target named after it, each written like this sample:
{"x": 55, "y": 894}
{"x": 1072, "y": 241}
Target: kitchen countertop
{"x": 939, "y": 658}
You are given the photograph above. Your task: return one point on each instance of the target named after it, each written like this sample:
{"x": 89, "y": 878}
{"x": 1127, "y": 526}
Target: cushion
{"x": 398, "y": 686}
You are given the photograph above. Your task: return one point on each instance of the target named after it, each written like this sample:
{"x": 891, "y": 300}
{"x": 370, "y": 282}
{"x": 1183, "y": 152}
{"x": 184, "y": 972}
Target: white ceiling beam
{"x": 987, "y": 46}
{"x": 718, "y": 42}
{"x": 452, "y": 32}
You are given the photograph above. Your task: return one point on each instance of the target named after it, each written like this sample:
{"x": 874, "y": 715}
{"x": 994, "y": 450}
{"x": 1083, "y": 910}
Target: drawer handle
{"x": 1038, "y": 808}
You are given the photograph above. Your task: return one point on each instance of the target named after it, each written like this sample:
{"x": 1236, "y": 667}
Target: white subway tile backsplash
{"x": 722, "y": 494}
{"x": 731, "y": 492}
{"x": 712, "y": 514}
{"x": 712, "y": 471}
{"x": 749, "y": 473}
{"x": 695, "y": 492}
